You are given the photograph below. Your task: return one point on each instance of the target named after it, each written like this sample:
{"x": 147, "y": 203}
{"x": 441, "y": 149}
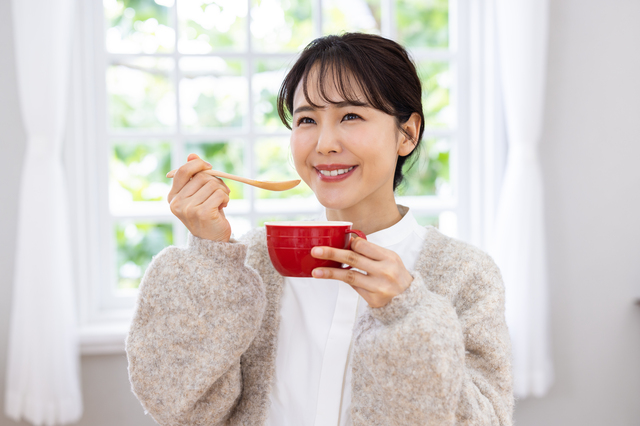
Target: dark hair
{"x": 382, "y": 69}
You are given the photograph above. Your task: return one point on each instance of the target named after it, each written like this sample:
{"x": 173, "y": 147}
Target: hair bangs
{"x": 337, "y": 72}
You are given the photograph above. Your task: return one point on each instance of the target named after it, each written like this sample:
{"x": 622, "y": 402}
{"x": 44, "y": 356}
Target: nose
{"x": 328, "y": 141}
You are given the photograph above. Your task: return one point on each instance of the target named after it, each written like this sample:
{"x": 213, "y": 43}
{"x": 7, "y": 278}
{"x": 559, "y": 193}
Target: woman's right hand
{"x": 197, "y": 199}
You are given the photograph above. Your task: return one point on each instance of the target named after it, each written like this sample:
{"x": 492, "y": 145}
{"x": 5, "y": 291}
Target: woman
{"x": 417, "y": 337}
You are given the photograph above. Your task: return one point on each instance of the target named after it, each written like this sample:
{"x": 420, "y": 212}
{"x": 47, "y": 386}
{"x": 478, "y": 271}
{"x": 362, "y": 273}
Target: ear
{"x": 412, "y": 127}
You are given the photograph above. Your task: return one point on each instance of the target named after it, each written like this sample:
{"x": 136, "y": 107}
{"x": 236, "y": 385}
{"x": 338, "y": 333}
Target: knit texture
{"x": 202, "y": 344}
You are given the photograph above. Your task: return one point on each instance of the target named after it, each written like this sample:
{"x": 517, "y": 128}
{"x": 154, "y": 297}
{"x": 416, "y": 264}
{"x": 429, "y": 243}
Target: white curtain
{"x": 43, "y": 385}
{"x": 518, "y": 245}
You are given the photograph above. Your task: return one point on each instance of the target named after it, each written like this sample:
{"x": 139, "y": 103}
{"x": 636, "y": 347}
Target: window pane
{"x": 136, "y": 243}
{"x": 272, "y": 156}
{"x": 428, "y": 174}
{"x": 213, "y": 93}
{"x": 207, "y": 25}
{"x": 138, "y": 26}
{"x": 281, "y": 25}
{"x": 423, "y": 23}
{"x": 266, "y": 82}
{"x": 358, "y": 15}
{"x": 141, "y": 95}
{"x": 436, "y": 80}
{"x": 224, "y": 156}
{"x": 137, "y": 172}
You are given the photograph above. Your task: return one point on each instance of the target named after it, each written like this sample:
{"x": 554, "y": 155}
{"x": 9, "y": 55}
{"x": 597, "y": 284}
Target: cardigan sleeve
{"x": 198, "y": 310}
{"x": 422, "y": 361}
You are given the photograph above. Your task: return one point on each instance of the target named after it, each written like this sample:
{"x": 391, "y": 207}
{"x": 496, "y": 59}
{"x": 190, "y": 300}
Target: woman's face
{"x": 345, "y": 153}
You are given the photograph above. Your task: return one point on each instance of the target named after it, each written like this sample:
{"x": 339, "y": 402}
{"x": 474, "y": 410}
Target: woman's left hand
{"x": 386, "y": 276}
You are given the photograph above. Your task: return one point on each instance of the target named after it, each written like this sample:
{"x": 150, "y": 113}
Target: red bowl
{"x": 290, "y": 244}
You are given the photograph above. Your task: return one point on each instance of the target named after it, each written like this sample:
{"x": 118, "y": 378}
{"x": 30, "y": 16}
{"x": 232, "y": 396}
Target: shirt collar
{"x": 393, "y": 234}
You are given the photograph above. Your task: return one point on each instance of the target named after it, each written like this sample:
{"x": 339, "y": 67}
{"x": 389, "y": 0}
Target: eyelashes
{"x": 308, "y": 120}
{"x": 350, "y": 115}
{"x": 305, "y": 120}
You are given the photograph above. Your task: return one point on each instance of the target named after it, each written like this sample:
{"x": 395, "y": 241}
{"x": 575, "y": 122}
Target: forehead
{"x": 328, "y": 87}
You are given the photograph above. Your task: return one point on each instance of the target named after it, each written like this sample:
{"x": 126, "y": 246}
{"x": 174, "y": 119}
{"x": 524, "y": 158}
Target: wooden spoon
{"x": 271, "y": 186}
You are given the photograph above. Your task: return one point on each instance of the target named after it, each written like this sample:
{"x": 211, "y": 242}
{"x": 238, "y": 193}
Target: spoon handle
{"x": 272, "y": 186}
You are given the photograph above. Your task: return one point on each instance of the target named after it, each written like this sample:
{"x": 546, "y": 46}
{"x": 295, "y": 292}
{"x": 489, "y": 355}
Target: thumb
{"x": 192, "y": 157}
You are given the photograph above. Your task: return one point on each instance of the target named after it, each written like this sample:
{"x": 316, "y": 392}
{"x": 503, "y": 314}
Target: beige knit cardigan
{"x": 203, "y": 341}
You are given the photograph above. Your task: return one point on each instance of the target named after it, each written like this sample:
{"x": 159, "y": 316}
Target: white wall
{"x": 590, "y": 153}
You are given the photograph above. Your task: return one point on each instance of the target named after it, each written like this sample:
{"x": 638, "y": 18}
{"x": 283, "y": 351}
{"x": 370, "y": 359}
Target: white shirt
{"x": 312, "y": 383}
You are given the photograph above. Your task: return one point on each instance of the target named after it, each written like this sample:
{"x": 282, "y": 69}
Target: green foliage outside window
{"x": 138, "y": 171}
{"x": 207, "y": 25}
{"x": 436, "y": 93}
{"x": 423, "y": 23}
{"x": 138, "y": 26}
{"x": 428, "y": 174}
{"x": 284, "y": 26}
{"x": 137, "y": 243}
{"x": 339, "y": 16}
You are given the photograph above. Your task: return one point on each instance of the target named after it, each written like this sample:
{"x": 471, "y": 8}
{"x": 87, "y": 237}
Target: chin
{"x": 339, "y": 202}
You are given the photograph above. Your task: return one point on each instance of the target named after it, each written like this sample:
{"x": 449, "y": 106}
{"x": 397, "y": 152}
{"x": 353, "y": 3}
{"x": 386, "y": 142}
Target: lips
{"x": 334, "y": 168}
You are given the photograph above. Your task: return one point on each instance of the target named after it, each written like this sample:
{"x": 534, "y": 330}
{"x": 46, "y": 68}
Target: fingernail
{"x": 208, "y": 164}
{"x": 317, "y": 251}
{"x": 318, "y": 273}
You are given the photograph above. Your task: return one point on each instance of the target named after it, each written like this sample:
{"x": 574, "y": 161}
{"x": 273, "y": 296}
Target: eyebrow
{"x": 337, "y": 105}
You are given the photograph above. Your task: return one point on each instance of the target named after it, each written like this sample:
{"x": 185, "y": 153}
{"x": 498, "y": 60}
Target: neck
{"x": 386, "y": 214}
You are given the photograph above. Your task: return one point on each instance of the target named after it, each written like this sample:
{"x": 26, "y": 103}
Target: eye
{"x": 350, "y": 116}
{"x": 305, "y": 120}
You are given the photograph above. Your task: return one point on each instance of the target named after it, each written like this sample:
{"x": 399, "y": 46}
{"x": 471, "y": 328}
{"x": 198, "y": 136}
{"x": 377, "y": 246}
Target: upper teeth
{"x": 335, "y": 172}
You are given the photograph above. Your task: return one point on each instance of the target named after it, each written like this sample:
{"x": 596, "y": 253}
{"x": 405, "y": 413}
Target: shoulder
{"x": 451, "y": 249}
{"x": 455, "y": 266}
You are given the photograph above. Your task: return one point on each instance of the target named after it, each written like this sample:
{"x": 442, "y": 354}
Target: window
{"x": 165, "y": 78}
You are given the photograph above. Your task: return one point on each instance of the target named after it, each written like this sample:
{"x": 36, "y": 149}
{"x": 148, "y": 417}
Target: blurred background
{"x": 158, "y": 80}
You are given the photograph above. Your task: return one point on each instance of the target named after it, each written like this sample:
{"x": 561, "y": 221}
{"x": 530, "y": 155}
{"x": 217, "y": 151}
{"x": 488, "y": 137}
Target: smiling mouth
{"x": 335, "y": 172}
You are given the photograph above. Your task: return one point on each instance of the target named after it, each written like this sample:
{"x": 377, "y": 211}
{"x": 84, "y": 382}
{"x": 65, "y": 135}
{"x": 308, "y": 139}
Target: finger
{"x": 215, "y": 203}
{"x": 349, "y": 257}
{"x": 205, "y": 192}
{"x": 191, "y": 157}
{"x": 349, "y": 276}
{"x": 218, "y": 199}
{"x": 184, "y": 175}
{"x": 200, "y": 180}
{"x": 205, "y": 177}
{"x": 369, "y": 249}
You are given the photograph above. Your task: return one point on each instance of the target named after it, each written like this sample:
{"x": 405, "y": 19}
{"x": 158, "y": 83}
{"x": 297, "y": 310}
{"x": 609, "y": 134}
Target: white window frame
{"x": 475, "y": 172}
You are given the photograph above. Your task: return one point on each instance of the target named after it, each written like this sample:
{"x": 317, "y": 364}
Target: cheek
{"x": 299, "y": 152}
{"x": 379, "y": 154}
